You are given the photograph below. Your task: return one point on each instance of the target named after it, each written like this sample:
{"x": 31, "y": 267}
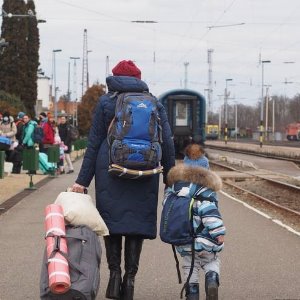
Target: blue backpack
{"x": 38, "y": 134}
{"x": 176, "y": 228}
{"x": 134, "y": 135}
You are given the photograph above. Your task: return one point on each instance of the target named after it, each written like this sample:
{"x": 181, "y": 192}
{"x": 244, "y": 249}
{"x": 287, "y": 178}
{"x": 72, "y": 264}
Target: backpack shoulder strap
{"x": 186, "y": 285}
{"x": 177, "y": 264}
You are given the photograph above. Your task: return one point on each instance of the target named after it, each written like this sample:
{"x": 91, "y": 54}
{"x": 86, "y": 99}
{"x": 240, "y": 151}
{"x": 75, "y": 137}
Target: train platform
{"x": 261, "y": 260}
{"x": 289, "y": 152}
{"x": 14, "y": 184}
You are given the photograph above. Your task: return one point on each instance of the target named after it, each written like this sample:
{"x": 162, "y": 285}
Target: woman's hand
{"x": 77, "y": 188}
{"x": 220, "y": 239}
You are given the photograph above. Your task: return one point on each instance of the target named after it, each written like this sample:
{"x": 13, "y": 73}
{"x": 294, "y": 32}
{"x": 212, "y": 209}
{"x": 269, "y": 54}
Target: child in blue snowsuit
{"x": 193, "y": 179}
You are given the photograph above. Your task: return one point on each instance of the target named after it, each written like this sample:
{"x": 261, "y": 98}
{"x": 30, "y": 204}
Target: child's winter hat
{"x": 20, "y": 115}
{"x": 126, "y": 68}
{"x": 194, "y": 156}
{"x": 194, "y": 151}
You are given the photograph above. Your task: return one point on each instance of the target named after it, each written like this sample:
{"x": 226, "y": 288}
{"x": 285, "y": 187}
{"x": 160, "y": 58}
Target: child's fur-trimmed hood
{"x": 197, "y": 175}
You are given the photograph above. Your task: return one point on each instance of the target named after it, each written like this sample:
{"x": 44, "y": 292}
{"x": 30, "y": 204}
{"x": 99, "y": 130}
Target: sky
{"x": 240, "y": 32}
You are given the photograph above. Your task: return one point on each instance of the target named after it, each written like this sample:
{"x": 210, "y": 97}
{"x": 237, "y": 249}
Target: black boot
{"x": 17, "y": 167}
{"x": 133, "y": 248}
{"x": 113, "y": 245}
{"x": 192, "y": 291}
{"x": 211, "y": 285}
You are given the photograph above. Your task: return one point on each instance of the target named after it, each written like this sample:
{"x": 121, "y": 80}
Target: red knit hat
{"x": 126, "y": 68}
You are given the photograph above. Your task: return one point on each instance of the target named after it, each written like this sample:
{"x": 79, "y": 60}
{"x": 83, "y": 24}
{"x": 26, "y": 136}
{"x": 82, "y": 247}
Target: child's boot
{"x": 192, "y": 291}
{"x": 211, "y": 285}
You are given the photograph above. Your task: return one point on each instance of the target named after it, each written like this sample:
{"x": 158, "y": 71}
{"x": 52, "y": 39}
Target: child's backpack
{"x": 134, "y": 135}
{"x": 84, "y": 257}
{"x": 176, "y": 227}
{"x": 38, "y": 134}
{"x": 74, "y": 133}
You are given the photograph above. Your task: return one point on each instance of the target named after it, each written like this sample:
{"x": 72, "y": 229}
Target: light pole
{"x": 236, "y": 107}
{"x": 87, "y": 68}
{"x": 262, "y": 102}
{"x": 29, "y": 14}
{"x": 226, "y": 108}
{"x": 267, "y": 113}
{"x": 220, "y": 122}
{"x": 54, "y": 81}
{"x": 206, "y": 111}
{"x": 273, "y": 118}
{"x": 186, "y": 64}
{"x": 75, "y": 89}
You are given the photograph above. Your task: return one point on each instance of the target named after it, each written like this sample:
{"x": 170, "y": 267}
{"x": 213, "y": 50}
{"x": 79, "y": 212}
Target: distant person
{"x": 20, "y": 124}
{"x": 16, "y": 155}
{"x": 27, "y": 141}
{"x": 8, "y": 129}
{"x": 49, "y": 132}
{"x": 42, "y": 120}
{"x": 62, "y": 148}
{"x": 65, "y": 135}
{"x": 192, "y": 179}
{"x": 128, "y": 207}
{"x": 28, "y": 129}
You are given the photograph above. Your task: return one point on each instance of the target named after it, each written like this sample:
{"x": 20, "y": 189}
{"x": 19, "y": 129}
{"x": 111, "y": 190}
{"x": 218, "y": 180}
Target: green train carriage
{"x": 186, "y": 111}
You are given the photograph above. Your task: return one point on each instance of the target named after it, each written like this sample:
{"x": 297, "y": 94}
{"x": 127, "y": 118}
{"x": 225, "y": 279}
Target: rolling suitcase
{"x": 44, "y": 165}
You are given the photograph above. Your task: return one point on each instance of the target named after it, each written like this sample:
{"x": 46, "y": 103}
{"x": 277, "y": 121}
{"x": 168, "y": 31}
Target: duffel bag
{"x": 84, "y": 257}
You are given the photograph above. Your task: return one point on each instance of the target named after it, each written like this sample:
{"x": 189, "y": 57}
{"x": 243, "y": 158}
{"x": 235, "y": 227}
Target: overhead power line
{"x": 227, "y": 25}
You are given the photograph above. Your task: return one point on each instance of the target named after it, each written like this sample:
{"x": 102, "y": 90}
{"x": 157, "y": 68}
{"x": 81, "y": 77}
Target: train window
{"x": 181, "y": 113}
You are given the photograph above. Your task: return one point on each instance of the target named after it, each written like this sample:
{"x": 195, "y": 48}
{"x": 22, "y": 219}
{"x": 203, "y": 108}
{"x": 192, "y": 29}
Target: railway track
{"x": 295, "y": 160}
{"x": 292, "y": 144}
{"x": 281, "y": 195}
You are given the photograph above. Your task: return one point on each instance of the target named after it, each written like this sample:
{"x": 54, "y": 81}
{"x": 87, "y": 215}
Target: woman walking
{"x": 129, "y": 207}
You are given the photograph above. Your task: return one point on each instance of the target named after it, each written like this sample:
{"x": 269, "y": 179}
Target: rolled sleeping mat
{"x": 131, "y": 173}
{"x": 58, "y": 267}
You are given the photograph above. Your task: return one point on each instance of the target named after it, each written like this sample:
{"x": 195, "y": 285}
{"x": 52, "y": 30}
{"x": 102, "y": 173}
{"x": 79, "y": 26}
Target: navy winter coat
{"x": 128, "y": 207}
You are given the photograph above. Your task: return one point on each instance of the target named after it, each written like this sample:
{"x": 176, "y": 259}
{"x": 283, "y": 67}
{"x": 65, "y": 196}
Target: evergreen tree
{"x": 29, "y": 96}
{"x": 20, "y": 60}
{"x": 13, "y": 61}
